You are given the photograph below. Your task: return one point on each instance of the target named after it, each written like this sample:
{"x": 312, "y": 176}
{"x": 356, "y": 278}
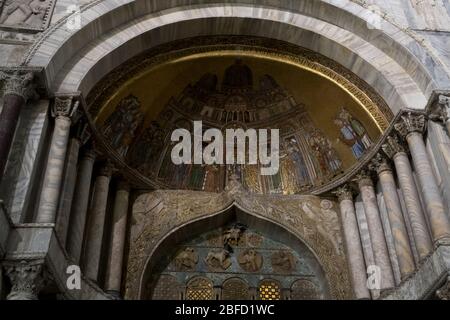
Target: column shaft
{"x": 51, "y": 188}
{"x": 68, "y": 188}
{"x": 117, "y": 243}
{"x": 80, "y": 206}
{"x": 397, "y": 223}
{"x": 353, "y": 244}
{"x": 413, "y": 205}
{"x": 439, "y": 221}
{"x": 96, "y": 223}
{"x": 377, "y": 237}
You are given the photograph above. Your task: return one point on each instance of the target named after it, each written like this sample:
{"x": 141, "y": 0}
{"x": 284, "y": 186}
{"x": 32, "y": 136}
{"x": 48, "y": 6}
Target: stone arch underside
{"x": 112, "y": 33}
{"x": 162, "y": 215}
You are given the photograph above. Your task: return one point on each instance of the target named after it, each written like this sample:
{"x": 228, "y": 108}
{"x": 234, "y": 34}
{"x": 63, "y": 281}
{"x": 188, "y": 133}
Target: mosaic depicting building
{"x": 92, "y": 206}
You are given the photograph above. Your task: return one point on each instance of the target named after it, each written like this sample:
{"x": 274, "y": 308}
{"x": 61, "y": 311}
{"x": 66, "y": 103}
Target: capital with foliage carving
{"x": 64, "y": 107}
{"x": 20, "y": 83}
{"x": 410, "y": 123}
{"x": 392, "y": 146}
{"x": 363, "y": 179}
{"x": 379, "y": 164}
{"x": 344, "y": 193}
{"x": 26, "y": 278}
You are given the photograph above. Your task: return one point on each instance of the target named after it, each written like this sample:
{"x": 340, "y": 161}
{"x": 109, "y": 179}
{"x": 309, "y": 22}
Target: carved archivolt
{"x": 311, "y": 219}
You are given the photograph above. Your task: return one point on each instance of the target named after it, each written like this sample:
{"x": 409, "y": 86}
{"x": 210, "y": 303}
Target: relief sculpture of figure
{"x": 218, "y": 260}
{"x": 250, "y": 260}
{"x": 24, "y": 12}
{"x": 186, "y": 259}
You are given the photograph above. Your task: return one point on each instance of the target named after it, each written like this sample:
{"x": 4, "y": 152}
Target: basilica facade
{"x": 92, "y": 205}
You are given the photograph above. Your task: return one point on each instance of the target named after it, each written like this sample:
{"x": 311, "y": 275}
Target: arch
{"x": 235, "y": 289}
{"x": 269, "y": 289}
{"x": 165, "y": 217}
{"x": 113, "y": 32}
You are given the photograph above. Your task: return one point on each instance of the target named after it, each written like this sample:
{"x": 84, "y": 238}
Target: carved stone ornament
{"x": 26, "y": 14}
{"x": 363, "y": 179}
{"x": 344, "y": 193}
{"x": 19, "y": 83}
{"x": 64, "y": 107}
{"x": 26, "y": 278}
{"x": 283, "y": 261}
{"x": 392, "y": 146}
{"x": 313, "y": 220}
{"x": 250, "y": 260}
{"x": 410, "y": 123}
{"x": 218, "y": 260}
{"x": 444, "y": 292}
{"x": 186, "y": 260}
{"x": 440, "y": 111}
{"x": 379, "y": 164}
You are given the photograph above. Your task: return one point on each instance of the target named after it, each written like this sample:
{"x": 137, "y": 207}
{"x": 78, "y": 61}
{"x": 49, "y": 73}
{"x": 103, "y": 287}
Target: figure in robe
{"x": 350, "y": 138}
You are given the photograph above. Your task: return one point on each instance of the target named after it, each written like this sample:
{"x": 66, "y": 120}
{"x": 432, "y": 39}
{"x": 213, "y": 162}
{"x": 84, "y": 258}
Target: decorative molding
{"x": 363, "y": 178}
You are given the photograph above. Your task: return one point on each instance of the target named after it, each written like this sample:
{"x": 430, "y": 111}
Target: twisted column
{"x": 117, "y": 243}
{"x": 393, "y": 149}
{"x": 411, "y": 127}
{"x": 62, "y": 110}
{"x": 353, "y": 243}
{"x": 96, "y": 223}
{"x": 18, "y": 88}
{"x": 377, "y": 237}
{"x": 80, "y": 204}
{"x": 395, "y": 215}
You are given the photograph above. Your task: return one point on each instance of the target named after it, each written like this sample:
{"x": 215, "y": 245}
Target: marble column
{"x": 117, "y": 242}
{"x": 393, "y": 149}
{"x": 96, "y": 223}
{"x": 395, "y": 215}
{"x": 353, "y": 243}
{"x": 26, "y": 279}
{"x": 18, "y": 88}
{"x": 80, "y": 204}
{"x": 377, "y": 237}
{"x": 411, "y": 127}
{"x": 69, "y": 181}
{"x": 62, "y": 110}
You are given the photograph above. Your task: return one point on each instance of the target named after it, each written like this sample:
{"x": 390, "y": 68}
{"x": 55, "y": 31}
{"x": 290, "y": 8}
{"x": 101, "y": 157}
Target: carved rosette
{"x": 64, "y": 107}
{"x": 410, "y": 123}
{"x": 344, "y": 193}
{"x": 19, "y": 83}
{"x": 26, "y": 278}
{"x": 393, "y": 146}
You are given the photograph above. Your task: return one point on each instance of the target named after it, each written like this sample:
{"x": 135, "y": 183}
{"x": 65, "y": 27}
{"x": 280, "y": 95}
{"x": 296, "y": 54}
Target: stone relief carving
{"x": 218, "y": 260}
{"x": 186, "y": 260}
{"x": 232, "y": 236}
{"x": 156, "y": 213}
{"x": 27, "y": 279}
{"x": 283, "y": 261}
{"x": 250, "y": 260}
{"x": 27, "y": 14}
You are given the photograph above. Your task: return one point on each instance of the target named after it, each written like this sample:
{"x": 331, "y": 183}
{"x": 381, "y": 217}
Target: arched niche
{"x": 163, "y": 219}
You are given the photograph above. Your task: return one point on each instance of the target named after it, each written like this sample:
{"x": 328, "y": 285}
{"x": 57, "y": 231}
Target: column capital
{"x": 107, "y": 169}
{"x": 441, "y": 109}
{"x": 444, "y": 292}
{"x": 344, "y": 193}
{"x": 363, "y": 178}
{"x": 20, "y": 83}
{"x": 123, "y": 185}
{"x": 64, "y": 107}
{"x": 392, "y": 146}
{"x": 410, "y": 123}
{"x": 27, "y": 278}
{"x": 90, "y": 154}
{"x": 379, "y": 164}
